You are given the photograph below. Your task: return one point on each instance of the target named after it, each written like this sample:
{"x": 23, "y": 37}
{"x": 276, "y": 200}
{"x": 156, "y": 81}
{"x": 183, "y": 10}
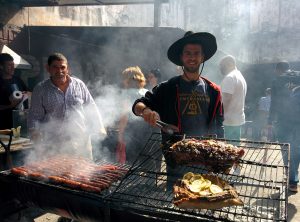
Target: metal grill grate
{"x": 9, "y": 177}
{"x": 261, "y": 184}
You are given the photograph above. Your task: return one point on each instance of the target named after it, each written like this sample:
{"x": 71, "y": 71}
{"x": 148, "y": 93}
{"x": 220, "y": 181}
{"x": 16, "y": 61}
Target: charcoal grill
{"x": 261, "y": 184}
{"x": 64, "y": 201}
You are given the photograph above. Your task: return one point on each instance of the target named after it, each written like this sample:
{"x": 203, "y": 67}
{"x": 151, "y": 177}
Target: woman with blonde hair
{"x": 133, "y": 77}
{"x": 132, "y": 129}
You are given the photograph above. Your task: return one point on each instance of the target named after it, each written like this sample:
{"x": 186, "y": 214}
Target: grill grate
{"x": 8, "y": 176}
{"x": 73, "y": 203}
{"x": 261, "y": 184}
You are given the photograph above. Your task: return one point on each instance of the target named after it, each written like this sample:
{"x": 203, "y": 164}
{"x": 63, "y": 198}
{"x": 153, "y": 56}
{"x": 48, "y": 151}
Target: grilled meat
{"x": 204, "y": 192}
{"x": 216, "y": 155}
{"x": 72, "y": 172}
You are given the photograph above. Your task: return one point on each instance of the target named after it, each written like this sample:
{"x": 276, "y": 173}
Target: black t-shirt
{"x": 7, "y": 86}
{"x": 194, "y": 103}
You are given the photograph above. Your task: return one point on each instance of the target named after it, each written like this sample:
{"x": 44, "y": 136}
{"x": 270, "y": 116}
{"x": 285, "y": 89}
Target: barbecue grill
{"x": 142, "y": 195}
{"x": 76, "y": 204}
{"x": 261, "y": 184}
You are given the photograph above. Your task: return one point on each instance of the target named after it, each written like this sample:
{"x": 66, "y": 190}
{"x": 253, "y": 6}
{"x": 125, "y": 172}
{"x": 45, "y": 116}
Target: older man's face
{"x": 192, "y": 56}
{"x": 58, "y": 71}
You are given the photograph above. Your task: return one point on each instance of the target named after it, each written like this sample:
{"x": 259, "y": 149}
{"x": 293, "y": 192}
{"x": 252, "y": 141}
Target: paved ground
{"x": 294, "y": 207}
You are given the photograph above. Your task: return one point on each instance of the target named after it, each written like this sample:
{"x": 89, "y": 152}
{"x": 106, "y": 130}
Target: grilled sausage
{"x": 56, "y": 179}
{"x": 87, "y": 187}
{"x": 37, "y": 176}
{"x": 19, "y": 171}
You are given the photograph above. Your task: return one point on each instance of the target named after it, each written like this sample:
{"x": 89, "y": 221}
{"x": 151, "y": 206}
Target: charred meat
{"x": 216, "y": 155}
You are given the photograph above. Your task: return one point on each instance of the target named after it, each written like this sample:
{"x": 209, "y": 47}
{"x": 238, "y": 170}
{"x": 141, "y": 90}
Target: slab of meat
{"x": 217, "y": 156}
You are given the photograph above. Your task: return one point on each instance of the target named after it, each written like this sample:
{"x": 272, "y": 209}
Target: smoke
{"x": 68, "y": 134}
{"x": 97, "y": 55}
{"x": 79, "y": 131}
{"x": 109, "y": 103}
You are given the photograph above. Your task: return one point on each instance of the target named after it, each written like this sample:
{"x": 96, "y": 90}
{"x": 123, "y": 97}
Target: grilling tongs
{"x": 167, "y": 128}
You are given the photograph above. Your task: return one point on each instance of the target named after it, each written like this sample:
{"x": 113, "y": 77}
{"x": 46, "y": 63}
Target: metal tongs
{"x": 167, "y": 128}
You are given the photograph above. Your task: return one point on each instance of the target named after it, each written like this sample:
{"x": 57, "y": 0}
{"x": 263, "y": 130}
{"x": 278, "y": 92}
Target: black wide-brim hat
{"x": 205, "y": 39}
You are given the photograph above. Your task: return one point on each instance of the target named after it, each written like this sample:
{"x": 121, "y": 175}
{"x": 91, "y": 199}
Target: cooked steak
{"x": 217, "y": 156}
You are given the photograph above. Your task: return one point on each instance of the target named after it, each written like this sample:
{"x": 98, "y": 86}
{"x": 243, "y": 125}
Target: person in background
{"x": 284, "y": 111}
{"x": 280, "y": 91}
{"x": 133, "y": 132}
{"x": 153, "y": 78}
{"x": 189, "y": 102}
{"x": 294, "y": 130}
{"x": 8, "y": 84}
{"x": 63, "y": 114}
{"x": 262, "y": 115}
{"x": 234, "y": 89}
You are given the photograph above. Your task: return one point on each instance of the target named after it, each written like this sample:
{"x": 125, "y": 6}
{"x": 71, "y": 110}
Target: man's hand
{"x": 150, "y": 116}
{"x": 15, "y": 102}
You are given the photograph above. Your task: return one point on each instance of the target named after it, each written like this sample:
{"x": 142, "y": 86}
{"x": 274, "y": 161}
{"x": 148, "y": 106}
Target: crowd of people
{"x": 62, "y": 106}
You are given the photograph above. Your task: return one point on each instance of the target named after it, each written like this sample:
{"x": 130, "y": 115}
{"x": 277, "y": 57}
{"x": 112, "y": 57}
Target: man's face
{"x": 8, "y": 68}
{"x": 192, "y": 56}
{"x": 58, "y": 71}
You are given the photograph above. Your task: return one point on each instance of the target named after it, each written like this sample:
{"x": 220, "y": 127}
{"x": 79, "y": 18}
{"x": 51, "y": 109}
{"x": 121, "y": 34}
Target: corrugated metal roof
{"x": 34, "y": 3}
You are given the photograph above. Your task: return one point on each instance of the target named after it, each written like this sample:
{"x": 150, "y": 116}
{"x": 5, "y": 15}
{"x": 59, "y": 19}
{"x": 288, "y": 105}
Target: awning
{"x": 20, "y": 63}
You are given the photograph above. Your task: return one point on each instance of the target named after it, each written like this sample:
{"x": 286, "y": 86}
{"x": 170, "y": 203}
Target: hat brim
{"x": 205, "y": 39}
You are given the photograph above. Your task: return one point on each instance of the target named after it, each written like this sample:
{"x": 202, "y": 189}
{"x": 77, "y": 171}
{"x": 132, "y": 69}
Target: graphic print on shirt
{"x": 191, "y": 103}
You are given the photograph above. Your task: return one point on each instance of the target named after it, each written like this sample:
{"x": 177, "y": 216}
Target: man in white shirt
{"x": 234, "y": 89}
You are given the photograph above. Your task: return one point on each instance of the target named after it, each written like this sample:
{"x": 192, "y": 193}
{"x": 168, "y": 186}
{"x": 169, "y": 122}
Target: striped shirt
{"x": 58, "y": 115}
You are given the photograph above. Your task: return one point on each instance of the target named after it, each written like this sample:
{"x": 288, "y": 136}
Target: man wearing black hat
{"x": 189, "y": 102}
